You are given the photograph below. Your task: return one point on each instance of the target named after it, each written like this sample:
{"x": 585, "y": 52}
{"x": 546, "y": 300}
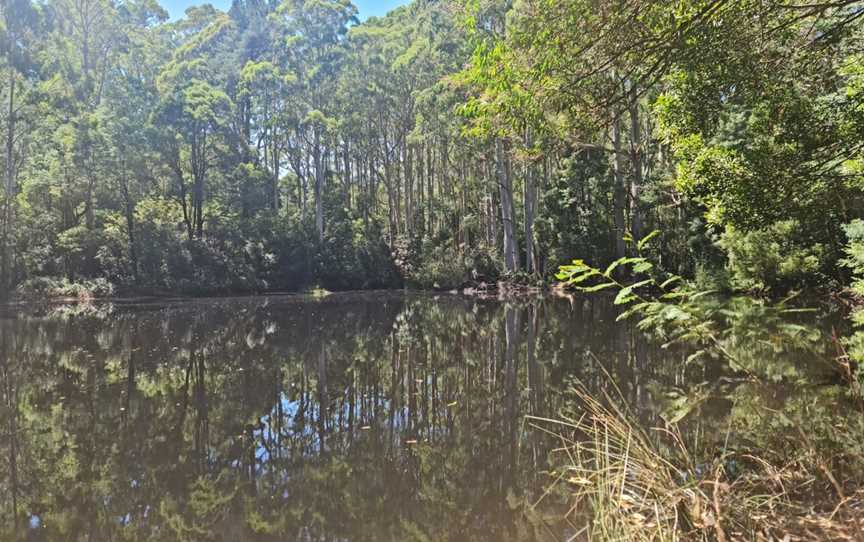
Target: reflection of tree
{"x": 351, "y": 417}
{"x": 10, "y": 412}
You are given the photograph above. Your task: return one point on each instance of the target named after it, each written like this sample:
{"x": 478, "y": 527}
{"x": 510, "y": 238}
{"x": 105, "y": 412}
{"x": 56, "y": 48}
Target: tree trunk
{"x": 199, "y": 171}
{"x": 430, "y": 188}
{"x": 9, "y": 186}
{"x": 636, "y": 157}
{"x": 275, "y": 201}
{"x": 505, "y": 186}
{"x": 620, "y": 192}
{"x": 408, "y": 169}
{"x": 130, "y": 225}
{"x": 319, "y": 187}
{"x": 530, "y": 197}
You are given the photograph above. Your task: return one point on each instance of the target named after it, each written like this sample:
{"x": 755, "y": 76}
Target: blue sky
{"x": 368, "y": 8}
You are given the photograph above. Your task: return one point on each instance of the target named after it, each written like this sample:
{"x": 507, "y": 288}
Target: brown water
{"x": 355, "y": 417}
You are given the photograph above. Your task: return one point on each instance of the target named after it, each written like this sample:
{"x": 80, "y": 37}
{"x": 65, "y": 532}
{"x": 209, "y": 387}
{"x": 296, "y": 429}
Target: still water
{"x": 353, "y": 417}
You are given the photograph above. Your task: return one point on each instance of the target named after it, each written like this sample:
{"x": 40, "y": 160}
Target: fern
{"x": 745, "y": 333}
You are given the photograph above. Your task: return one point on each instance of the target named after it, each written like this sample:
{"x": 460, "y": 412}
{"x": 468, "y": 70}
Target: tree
{"x": 194, "y": 108}
{"x": 313, "y": 33}
{"x": 19, "y": 22}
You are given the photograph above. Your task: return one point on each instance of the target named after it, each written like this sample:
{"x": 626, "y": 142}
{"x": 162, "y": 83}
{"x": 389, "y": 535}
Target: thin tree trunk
{"x": 505, "y": 186}
{"x": 530, "y": 196}
{"x": 275, "y": 202}
{"x": 319, "y": 187}
{"x": 9, "y": 186}
{"x": 636, "y": 157}
{"x": 130, "y": 224}
{"x": 620, "y": 193}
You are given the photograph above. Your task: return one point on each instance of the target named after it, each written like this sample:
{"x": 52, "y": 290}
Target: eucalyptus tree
{"x": 264, "y": 87}
{"x": 490, "y": 75}
{"x": 19, "y": 24}
{"x": 312, "y": 45}
{"x": 192, "y": 114}
{"x": 384, "y": 57}
{"x": 132, "y": 97}
{"x": 86, "y": 33}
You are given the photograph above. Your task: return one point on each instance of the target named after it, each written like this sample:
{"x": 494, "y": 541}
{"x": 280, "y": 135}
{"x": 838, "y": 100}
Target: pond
{"x": 351, "y": 417}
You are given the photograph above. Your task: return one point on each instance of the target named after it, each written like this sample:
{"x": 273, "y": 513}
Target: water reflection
{"x": 353, "y": 417}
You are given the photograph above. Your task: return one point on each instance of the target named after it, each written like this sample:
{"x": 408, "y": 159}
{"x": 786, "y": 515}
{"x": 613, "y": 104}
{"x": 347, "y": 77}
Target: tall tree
{"x": 313, "y": 34}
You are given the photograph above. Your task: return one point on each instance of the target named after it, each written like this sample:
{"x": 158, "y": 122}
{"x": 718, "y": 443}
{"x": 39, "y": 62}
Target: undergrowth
{"x": 629, "y": 483}
{"x": 788, "y": 468}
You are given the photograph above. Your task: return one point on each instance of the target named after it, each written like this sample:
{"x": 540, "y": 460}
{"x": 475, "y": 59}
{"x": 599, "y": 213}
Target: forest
{"x": 287, "y": 146}
{"x": 696, "y": 164}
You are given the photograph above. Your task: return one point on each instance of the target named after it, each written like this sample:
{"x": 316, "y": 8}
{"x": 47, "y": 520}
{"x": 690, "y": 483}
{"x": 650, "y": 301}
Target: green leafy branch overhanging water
{"x": 783, "y": 433}
{"x": 759, "y": 337}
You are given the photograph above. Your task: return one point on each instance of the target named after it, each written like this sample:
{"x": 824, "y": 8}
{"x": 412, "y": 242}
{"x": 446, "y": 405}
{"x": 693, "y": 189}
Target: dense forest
{"x": 699, "y": 163}
{"x": 283, "y": 146}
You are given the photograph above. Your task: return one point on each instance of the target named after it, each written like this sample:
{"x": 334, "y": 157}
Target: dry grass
{"x": 632, "y": 484}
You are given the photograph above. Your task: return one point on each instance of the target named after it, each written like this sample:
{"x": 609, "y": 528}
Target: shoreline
{"x": 480, "y": 290}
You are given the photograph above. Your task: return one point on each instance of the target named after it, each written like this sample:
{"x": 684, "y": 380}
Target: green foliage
{"x": 283, "y": 145}
{"x": 773, "y": 259}
{"x": 442, "y": 267}
{"x": 42, "y": 288}
{"x": 575, "y": 215}
{"x": 743, "y": 333}
{"x": 854, "y": 261}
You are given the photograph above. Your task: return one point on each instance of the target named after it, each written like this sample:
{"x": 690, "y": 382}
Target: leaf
{"x": 614, "y": 265}
{"x": 647, "y": 239}
{"x": 626, "y": 294}
{"x": 670, "y": 281}
{"x": 619, "y": 262}
{"x": 583, "y": 277}
{"x": 635, "y": 309}
{"x": 643, "y": 267}
{"x": 598, "y": 287}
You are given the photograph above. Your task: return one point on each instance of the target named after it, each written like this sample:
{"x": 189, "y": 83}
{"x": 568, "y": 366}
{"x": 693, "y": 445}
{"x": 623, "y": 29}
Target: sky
{"x": 368, "y": 8}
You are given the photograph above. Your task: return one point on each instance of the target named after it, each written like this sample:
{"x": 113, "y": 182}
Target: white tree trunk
{"x": 505, "y": 186}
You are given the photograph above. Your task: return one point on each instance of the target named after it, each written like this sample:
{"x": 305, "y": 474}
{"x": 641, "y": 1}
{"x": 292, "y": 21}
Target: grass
{"x": 628, "y": 483}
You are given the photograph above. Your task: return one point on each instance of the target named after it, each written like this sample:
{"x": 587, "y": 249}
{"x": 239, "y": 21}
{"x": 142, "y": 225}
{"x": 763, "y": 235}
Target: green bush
{"x": 854, "y": 260}
{"x": 39, "y": 288}
{"x": 773, "y": 259}
{"x": 574, "y": 215}
{"x": 444, "y": 268}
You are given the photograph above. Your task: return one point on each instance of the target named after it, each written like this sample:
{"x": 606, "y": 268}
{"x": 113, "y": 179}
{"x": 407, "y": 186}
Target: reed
{"x": 629, "y": 483}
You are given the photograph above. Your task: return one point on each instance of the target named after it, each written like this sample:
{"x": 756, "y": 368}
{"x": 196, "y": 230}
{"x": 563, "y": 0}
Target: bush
{"x": 39, "y": 288}
{"x": 773, "y": 259}
{"x": 444, "y": 268}
{"x": 855, "y": 344}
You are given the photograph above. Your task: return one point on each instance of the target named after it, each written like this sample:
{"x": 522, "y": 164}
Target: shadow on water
{"x": 354, "y": 417}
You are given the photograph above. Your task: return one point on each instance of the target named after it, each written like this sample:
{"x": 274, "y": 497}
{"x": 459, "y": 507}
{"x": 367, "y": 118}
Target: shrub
{"x": 38, "y": 288}
{"x": 444, "y": 268}
{"x": 855, "y": 344}
{"x": 772, "y": 259}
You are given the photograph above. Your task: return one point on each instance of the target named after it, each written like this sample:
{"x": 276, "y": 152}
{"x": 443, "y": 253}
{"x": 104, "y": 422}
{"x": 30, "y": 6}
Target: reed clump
{"x": 625, "y": 482}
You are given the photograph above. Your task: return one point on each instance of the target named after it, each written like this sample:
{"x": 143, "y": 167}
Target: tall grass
{"x": 629, "y": 483}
